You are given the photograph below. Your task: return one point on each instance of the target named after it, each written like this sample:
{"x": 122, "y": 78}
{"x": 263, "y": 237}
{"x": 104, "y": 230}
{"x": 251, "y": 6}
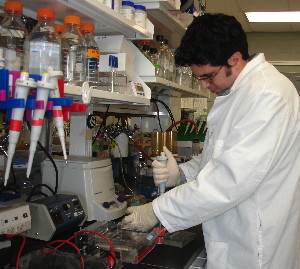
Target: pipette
{"x": 42, "y": 94}
{"x": 57, "y": 110}
{"x": 23, "y": 85}
{"x": 162, "y": 158}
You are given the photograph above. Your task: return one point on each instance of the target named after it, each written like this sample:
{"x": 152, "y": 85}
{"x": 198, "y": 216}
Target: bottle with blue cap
{"x": 140, "y": 15}
{"x": 127, "y": 10}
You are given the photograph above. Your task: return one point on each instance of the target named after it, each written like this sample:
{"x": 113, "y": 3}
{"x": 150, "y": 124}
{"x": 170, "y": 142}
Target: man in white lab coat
{"x": 245, "y": 187}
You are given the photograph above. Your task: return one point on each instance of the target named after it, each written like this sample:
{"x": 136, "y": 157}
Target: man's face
{"x": 215, "y": 78}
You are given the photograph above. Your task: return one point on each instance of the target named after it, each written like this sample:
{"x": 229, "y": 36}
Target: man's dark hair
{"x": 212, "y": 39}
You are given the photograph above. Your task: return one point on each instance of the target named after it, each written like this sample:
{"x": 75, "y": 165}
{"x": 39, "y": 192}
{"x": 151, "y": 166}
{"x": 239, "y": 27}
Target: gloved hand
{"x": 168, "y": 174}
{"x": 141, "y": 217}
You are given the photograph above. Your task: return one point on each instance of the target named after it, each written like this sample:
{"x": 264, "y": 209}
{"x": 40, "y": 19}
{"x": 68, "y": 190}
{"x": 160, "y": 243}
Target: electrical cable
{"x": 36, "y": 193}
{"x": 121, "y": 165}
{"x": 111, "y": 258}
{"x": 20, "y": 249}
{"x": 70, "y": 261}
{"x": 51, "y": 159}
{"x": 180, "y": 121}
{"x": 101, "y": 125}
{"x": 62, "y": 243}
{"x": 155, "y": 103}
{"x": 168, "y": 109}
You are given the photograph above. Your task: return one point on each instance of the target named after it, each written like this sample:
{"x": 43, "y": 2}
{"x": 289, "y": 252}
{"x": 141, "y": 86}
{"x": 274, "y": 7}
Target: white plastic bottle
{"x": 12, "y": 35}
{"x": 74, "y": 52}
{"x": 162, "y": 158}
{"x": 140, "y": 15}
{"x": 127, "y": 10}
{"x": 93, "y": 54}
{"x": 43, "y": 44}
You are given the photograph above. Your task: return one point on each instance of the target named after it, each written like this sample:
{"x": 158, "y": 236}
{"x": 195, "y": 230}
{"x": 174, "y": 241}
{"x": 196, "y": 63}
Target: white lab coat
{"x": 245, "y": 189}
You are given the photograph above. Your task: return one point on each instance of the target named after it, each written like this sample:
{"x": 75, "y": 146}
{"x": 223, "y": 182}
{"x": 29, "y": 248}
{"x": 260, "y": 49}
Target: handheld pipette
{"x": 57, "y": 110}
{"x": 162, "y": 158}
{"x": 23, "y": 85}
{"x": 42, "y": 94}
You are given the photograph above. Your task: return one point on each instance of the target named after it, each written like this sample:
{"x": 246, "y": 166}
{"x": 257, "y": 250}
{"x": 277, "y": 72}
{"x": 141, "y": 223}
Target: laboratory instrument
{"x": 44, "y": 86}
{"x": 14, "y": 219}
{"x": 90, "y": 178}
{"x": 57, "y": 110}
{"x": 23, "y": 85}
{"x": 53, "y": 215}
{"x": 130, "y": 244}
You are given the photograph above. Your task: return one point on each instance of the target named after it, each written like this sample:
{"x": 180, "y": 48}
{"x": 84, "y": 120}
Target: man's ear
{"x": 236, "y": 60}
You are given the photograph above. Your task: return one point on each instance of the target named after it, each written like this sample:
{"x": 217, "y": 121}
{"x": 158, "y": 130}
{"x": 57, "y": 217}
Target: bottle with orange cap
{"x": 93, "y": 54}
{"x": 43, "y": 45}
{"x": 74, "y": 52}
{"x": 13, "y": 33}
{"x": 59, "y": 28}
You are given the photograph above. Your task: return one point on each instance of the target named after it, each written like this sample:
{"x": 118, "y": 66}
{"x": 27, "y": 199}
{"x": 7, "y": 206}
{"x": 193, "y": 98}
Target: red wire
{"x": 184, "y": 120}
{"x": 64, "y": 242}
{"x": 110, "y": 260}
{"x": 21, "y": 247}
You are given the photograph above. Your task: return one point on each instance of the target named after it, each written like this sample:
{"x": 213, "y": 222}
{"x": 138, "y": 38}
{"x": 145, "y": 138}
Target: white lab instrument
{"x": 14, "y": 219}
{"x": 162, "y": 158}
{"x": 57, "y": 110}
{"x": 92, "y": 180}
{"x": 23, "y": 84}
{"x": 43, "y": 90}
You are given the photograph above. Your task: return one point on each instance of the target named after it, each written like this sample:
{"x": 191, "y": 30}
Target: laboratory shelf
{"x": 164, "y": 12}
{"x": 166, "y": 87}
{"x": 106, "y": 20}
{"x": 105, "y": 97}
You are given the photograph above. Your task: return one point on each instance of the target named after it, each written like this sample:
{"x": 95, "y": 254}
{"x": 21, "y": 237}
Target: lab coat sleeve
{"x": 192, "y": 168}
{"x": 237, "y": 167}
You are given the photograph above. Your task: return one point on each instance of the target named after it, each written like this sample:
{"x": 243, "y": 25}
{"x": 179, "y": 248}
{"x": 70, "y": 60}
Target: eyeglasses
{"x": 210, "y": 78}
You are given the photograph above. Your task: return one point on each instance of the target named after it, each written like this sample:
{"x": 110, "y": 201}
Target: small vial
{"x": 140, "y": 15}
{"x": 127, "y": 10}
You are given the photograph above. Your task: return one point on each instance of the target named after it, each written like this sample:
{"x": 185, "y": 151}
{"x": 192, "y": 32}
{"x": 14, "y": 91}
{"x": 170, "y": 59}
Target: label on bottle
{"x": 47, "y": 29}
{"x": 93, "y": 53}
{"x": 11, "y": 32}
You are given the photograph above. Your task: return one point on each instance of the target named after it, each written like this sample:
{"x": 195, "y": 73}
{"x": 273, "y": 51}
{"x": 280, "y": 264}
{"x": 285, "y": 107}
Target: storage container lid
{"x": 140, "y": 7}
{"x": 127, "y": 3}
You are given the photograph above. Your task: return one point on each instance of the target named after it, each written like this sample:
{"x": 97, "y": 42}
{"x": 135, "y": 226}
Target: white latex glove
{"x": 168, "y": 174}
{"x": 141, "y": 217}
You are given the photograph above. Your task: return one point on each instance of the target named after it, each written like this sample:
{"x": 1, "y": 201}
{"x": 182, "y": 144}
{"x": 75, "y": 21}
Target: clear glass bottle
{"x": 154, "y": 60}
{"x": 167, "y": 56}
{"x": 93, "y": 54}
{"x": 172, "y": 66}
{"x": 74, "y": 52}
{"x": 43, "y": 44}
{"x": 12, "y": 35}
{"x": 162, "y": 56}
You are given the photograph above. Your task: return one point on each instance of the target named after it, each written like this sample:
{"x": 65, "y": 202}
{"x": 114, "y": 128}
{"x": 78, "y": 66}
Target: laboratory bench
{"x": 161, "y": 256}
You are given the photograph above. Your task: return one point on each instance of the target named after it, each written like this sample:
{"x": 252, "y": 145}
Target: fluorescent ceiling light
{"x": 281, "y": 16}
